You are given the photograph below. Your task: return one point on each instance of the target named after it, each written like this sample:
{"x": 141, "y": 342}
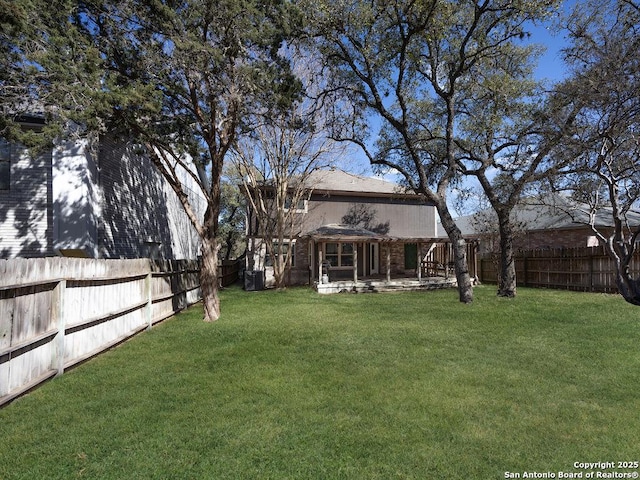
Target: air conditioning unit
{"x": 253, "y": 280}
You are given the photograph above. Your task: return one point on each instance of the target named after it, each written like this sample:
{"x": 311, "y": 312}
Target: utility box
{"x": 253, "y": 280}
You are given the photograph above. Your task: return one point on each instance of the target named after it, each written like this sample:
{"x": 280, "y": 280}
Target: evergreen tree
{"x": 184, "y": 78}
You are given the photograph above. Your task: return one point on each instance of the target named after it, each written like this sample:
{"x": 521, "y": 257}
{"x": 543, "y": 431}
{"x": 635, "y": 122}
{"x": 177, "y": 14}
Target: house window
{"x": 300, "y": 207}
{"x": 5, "y": 164}
{"x": 339, "y": 254}
{"x": 151, "y": 250}
{"x": 285, "y": 251}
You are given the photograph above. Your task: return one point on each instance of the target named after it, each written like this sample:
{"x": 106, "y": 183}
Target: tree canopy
{"x": 185, "y": 78}
{"x": 424, "y": 69}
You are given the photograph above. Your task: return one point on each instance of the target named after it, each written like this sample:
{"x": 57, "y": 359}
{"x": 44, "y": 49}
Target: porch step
{"x": 374, "y": 286}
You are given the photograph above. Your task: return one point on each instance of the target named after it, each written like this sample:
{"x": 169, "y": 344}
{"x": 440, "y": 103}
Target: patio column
{"x": 312, "y": 257}
{"x": 355, "y": 262}
{"x": 419, "y": 262}
{"x": 319, "y": 262}
{"x": 388, "y": 262}
{"x": 446, "y": 261}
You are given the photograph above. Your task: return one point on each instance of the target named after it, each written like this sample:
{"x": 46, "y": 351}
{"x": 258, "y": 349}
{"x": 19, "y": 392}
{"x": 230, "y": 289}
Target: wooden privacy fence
{"x": 57, "y": 312}
{"x": 586, "y": 269}
{"x": 440, "y": 257}
{"x": 228, "y": 272}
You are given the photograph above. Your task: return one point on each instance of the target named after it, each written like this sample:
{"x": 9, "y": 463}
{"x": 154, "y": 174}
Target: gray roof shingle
{"x": 552, "y": 212}
{"x": 338, "y": 180}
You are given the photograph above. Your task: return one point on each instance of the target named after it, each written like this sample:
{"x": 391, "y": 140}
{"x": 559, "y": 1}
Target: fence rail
{"x": 586, "y": 269}
{"x": 57, "y": 312}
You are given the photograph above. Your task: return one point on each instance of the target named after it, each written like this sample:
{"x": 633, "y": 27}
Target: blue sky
{"x": 550, "y": 65}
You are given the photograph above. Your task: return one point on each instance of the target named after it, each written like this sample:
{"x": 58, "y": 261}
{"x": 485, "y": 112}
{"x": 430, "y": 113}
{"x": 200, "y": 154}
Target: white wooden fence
{"x": 57, "y": 312}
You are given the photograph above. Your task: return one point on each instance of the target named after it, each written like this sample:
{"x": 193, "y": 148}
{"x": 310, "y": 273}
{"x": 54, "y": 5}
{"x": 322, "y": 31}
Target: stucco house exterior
{"x": 350, "y": 228}
{"x": 96, "y": 198}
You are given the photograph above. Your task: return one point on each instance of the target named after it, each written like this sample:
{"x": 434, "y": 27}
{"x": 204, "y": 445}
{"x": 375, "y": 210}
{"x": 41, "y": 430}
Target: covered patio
{"x": 346, "y": 258}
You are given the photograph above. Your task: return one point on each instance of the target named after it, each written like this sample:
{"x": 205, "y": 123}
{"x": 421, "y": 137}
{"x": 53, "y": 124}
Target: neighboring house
{"x": 352, "y": 227}
{"x": 95, "y": 199}
{"x": 553, "y": 222}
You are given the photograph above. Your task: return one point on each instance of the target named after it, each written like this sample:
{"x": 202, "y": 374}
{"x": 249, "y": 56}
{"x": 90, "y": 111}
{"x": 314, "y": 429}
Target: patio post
{"x": 388, "y": 262}
{"x": 446, "y": 260}
{"x": 419, "y": 263}
{"x": 355, "y": 262}
{"x": 319, "y": 262}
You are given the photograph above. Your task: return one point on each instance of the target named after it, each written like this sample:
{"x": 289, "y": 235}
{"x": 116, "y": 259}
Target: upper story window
{"x": 5, "y": 164}
{"x": 300, "y": 207}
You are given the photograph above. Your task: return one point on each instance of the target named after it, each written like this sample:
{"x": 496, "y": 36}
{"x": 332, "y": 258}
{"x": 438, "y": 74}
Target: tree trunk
{"x": 619, "y": 252}
{"x": 628, "y": 288}
{"x": 507, "y": 272}
{"x": 209, "y": 280}
{"x": 278, "y": 269}
{"x": 229, "y": 241}
{"x": 461, "y": 266}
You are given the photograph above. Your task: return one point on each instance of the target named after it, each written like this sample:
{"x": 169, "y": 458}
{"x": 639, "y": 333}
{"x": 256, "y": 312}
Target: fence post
{"x": 149, "y": 290}
{"x": 59, "y": 315}
{"x": 591, "y": 269}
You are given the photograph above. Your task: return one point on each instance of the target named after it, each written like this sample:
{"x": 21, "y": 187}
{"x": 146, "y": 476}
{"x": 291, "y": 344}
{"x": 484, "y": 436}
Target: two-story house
{"x": 97, "y": 198}
{"x": 353, "y": 228}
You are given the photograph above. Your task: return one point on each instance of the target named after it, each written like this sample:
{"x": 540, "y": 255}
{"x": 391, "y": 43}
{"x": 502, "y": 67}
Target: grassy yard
{"x": 295, "y": 385}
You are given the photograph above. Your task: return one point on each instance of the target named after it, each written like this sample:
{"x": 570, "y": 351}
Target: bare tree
{"x": 275, "y": 165}
{"x": 604, "y": 151}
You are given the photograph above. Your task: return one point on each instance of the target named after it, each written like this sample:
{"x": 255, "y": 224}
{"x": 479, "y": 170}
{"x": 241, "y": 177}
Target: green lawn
{"x": 296, "y": 385}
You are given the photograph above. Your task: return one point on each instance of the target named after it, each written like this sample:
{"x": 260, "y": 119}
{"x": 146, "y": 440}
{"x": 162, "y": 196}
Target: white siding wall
{"x": 98, "y": 200}
{"x": 185, "y": 240}
{"x": 25, "y": 209}
{"x": 141, "y": 214}
{"x": 76, "y": 198}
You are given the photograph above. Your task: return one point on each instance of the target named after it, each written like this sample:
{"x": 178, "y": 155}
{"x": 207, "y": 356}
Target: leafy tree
{"x": 27, "y": 88}
{"x": 603, "y": 152}
{"x": 13, "y": 23}
{"x": 185, "y": 78}
{"x": 233, "y": 213}
{"x": 506, "y": 137}
{"x": 414, "y": 64}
